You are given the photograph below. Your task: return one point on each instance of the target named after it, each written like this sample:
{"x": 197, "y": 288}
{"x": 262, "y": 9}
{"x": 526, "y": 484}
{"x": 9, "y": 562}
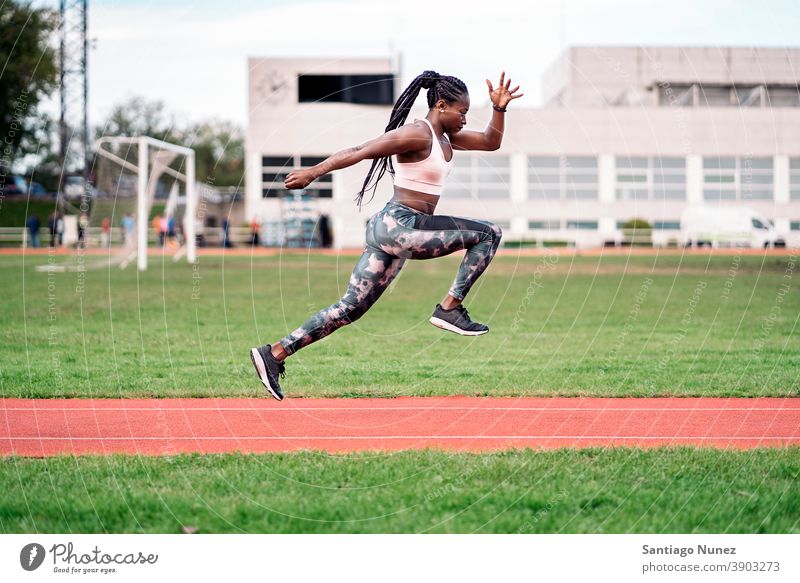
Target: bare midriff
{"x": 420, "y": 201}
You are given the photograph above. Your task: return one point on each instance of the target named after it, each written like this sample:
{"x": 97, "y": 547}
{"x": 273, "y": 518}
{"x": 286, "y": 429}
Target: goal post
{"x": 153, "y": 160}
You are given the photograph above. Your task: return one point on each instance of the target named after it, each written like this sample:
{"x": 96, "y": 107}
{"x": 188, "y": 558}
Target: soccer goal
{"x": 132, "y": 174}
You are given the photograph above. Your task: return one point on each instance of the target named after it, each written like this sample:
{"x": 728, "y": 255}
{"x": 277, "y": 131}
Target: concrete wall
{"x": 598, "y": 76}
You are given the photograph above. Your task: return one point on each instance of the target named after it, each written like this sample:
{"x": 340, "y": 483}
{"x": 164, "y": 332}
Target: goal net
{"x": 144, "y": 195}
{"x": 150, "y": 189}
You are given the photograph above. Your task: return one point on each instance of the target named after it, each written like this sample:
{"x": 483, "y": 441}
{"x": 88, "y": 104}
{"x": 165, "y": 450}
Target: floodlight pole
{"x": 191, "y": 210}
{"x": 141, "y": 213}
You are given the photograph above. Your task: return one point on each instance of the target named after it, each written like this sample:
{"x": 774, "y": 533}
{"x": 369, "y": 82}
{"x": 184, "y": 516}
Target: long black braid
{"x": 439, "y": 87}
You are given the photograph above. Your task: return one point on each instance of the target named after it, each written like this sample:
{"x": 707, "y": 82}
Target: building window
{"x": 666, "y": 225}
{"x": 783, "y": 96}
{"x": 360, "y": 89}
{"x": 582, "y": 225}
{"x": 794, "y": 178}
{"x": 562, "y": 178}
{"x": 749, "y": 96}
{"x": 275, "y": 168}
{"x": 715, "y": 96}
{"x": 675, "y": 95}
{"x": 653, "y": 178}
{"x": 755, "y": 178}
{"x": 706, "y": 95}
{"x": 545, "y": 177}
{"x": 794, "y": 225}
{"x": 544, "y": 225}
{"x": 730, "y": 178}
{"x": 479, "y": 177}
{"x": 633, "y": 179}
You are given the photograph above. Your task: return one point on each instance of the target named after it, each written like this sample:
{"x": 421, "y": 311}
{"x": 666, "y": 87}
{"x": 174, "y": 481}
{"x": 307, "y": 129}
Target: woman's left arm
{"x": 492, "y": 136}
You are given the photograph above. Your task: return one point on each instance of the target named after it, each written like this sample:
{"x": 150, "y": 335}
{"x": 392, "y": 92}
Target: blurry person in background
{"x": 200, "y": 232}
{"x": 83, "y": 225}
{"x": 171, "y": 230}
{"x": 60, "y": 230}
{"x": 255, "y": 227}
{"x": 105, "y": 234}
{"x": 33, "y": 225}
{"x": 127, "y": 228}
{"x": 52, "y": 227}
{"x": 226, "y": 237}
{"x": 325, "y": 237}
{"x": 159, "y": 228}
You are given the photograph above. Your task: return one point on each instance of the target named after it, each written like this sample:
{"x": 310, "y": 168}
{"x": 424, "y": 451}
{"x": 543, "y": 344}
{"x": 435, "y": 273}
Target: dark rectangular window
{"x": 279, "y": 161}
{"x": 319, "y": 192}
{"x": 272, "y": 192}
{"x": 270, "y": 177}
{"x": 275, "y": 168}
{"x": 360, "y": 89}
{"x": 543, "y": 225}
{"x": 582, "y": 225}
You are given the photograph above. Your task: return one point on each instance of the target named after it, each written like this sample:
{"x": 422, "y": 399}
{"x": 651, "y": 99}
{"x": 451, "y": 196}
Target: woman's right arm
{"x": 407, "y": 138}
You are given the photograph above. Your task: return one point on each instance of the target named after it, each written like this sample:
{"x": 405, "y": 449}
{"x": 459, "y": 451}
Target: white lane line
{"x": 379, "y": 437}
{"x": 272, "y": 409}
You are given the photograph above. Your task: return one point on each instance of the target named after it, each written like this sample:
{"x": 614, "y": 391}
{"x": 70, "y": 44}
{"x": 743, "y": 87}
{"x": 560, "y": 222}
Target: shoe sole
{"x": 439, "y": 323}
{"x": 261, "y": 371}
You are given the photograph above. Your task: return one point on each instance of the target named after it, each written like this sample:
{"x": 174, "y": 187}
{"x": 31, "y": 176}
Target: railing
{"x": 18, "y": 236}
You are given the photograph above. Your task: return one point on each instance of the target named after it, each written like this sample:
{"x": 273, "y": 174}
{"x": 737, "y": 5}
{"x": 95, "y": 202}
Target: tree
{"x": 138, "y": 116}
{"x": 29, "y": 73}
{"x": 218, "y": 145}
{"x": 42, "y": 161}
{"x": 219, "y": 152}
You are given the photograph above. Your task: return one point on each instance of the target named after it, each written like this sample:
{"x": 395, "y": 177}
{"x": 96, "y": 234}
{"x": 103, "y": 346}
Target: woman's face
{"x": 454, "y": 117}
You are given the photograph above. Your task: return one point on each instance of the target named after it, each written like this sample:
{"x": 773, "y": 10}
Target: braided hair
{"x": 451, "y": 89}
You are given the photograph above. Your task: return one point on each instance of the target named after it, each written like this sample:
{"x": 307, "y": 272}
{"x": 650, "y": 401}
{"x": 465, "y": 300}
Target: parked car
{"x": 75, "y": 186}
{"x": 11, "y": 185}
{"x": 734, "y": 226}
{"x": 36, "y": 189}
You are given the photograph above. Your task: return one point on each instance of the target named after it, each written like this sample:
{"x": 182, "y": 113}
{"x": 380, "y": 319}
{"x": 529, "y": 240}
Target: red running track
{"x": 170, "y": 426}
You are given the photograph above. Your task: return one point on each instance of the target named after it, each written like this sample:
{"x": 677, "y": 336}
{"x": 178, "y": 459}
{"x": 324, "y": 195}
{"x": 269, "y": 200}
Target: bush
{"x": 637, "y": 224}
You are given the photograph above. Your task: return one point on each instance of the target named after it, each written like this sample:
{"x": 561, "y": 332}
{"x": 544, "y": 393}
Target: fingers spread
{"x": 489, "y": 83}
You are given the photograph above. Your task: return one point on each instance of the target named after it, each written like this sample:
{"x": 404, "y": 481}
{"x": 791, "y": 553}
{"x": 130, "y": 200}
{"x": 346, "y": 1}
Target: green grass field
{"x": 565, "y": 491}
{"x": 561, "y": 325}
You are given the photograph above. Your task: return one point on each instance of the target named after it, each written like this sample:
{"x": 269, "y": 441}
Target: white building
{"x": 624, "y": 133}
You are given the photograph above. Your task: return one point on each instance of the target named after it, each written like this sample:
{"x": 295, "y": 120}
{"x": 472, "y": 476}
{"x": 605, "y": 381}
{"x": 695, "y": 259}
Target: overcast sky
{"x": 193, "y": 54}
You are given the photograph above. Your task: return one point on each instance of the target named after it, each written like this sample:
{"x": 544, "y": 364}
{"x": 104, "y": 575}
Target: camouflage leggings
{"x": 394, "y": 234}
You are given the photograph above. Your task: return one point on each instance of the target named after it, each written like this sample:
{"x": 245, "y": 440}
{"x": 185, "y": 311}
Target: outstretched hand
{"x": 502, "y": 95}
{"x": 297, "y": 179}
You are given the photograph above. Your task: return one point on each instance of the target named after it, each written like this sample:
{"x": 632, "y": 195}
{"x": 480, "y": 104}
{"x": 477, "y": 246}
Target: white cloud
{"x": 195, "y": 58}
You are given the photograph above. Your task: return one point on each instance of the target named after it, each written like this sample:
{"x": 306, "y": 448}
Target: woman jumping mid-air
{"x": 406, "y": 227}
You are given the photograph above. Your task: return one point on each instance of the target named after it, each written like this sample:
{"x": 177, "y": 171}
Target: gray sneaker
{"x": 457, "y": 320}
{"x": 268, "y": 368}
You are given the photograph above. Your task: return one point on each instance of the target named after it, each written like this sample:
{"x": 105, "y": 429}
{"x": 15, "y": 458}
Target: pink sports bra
{"x": 425, "y": 175}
